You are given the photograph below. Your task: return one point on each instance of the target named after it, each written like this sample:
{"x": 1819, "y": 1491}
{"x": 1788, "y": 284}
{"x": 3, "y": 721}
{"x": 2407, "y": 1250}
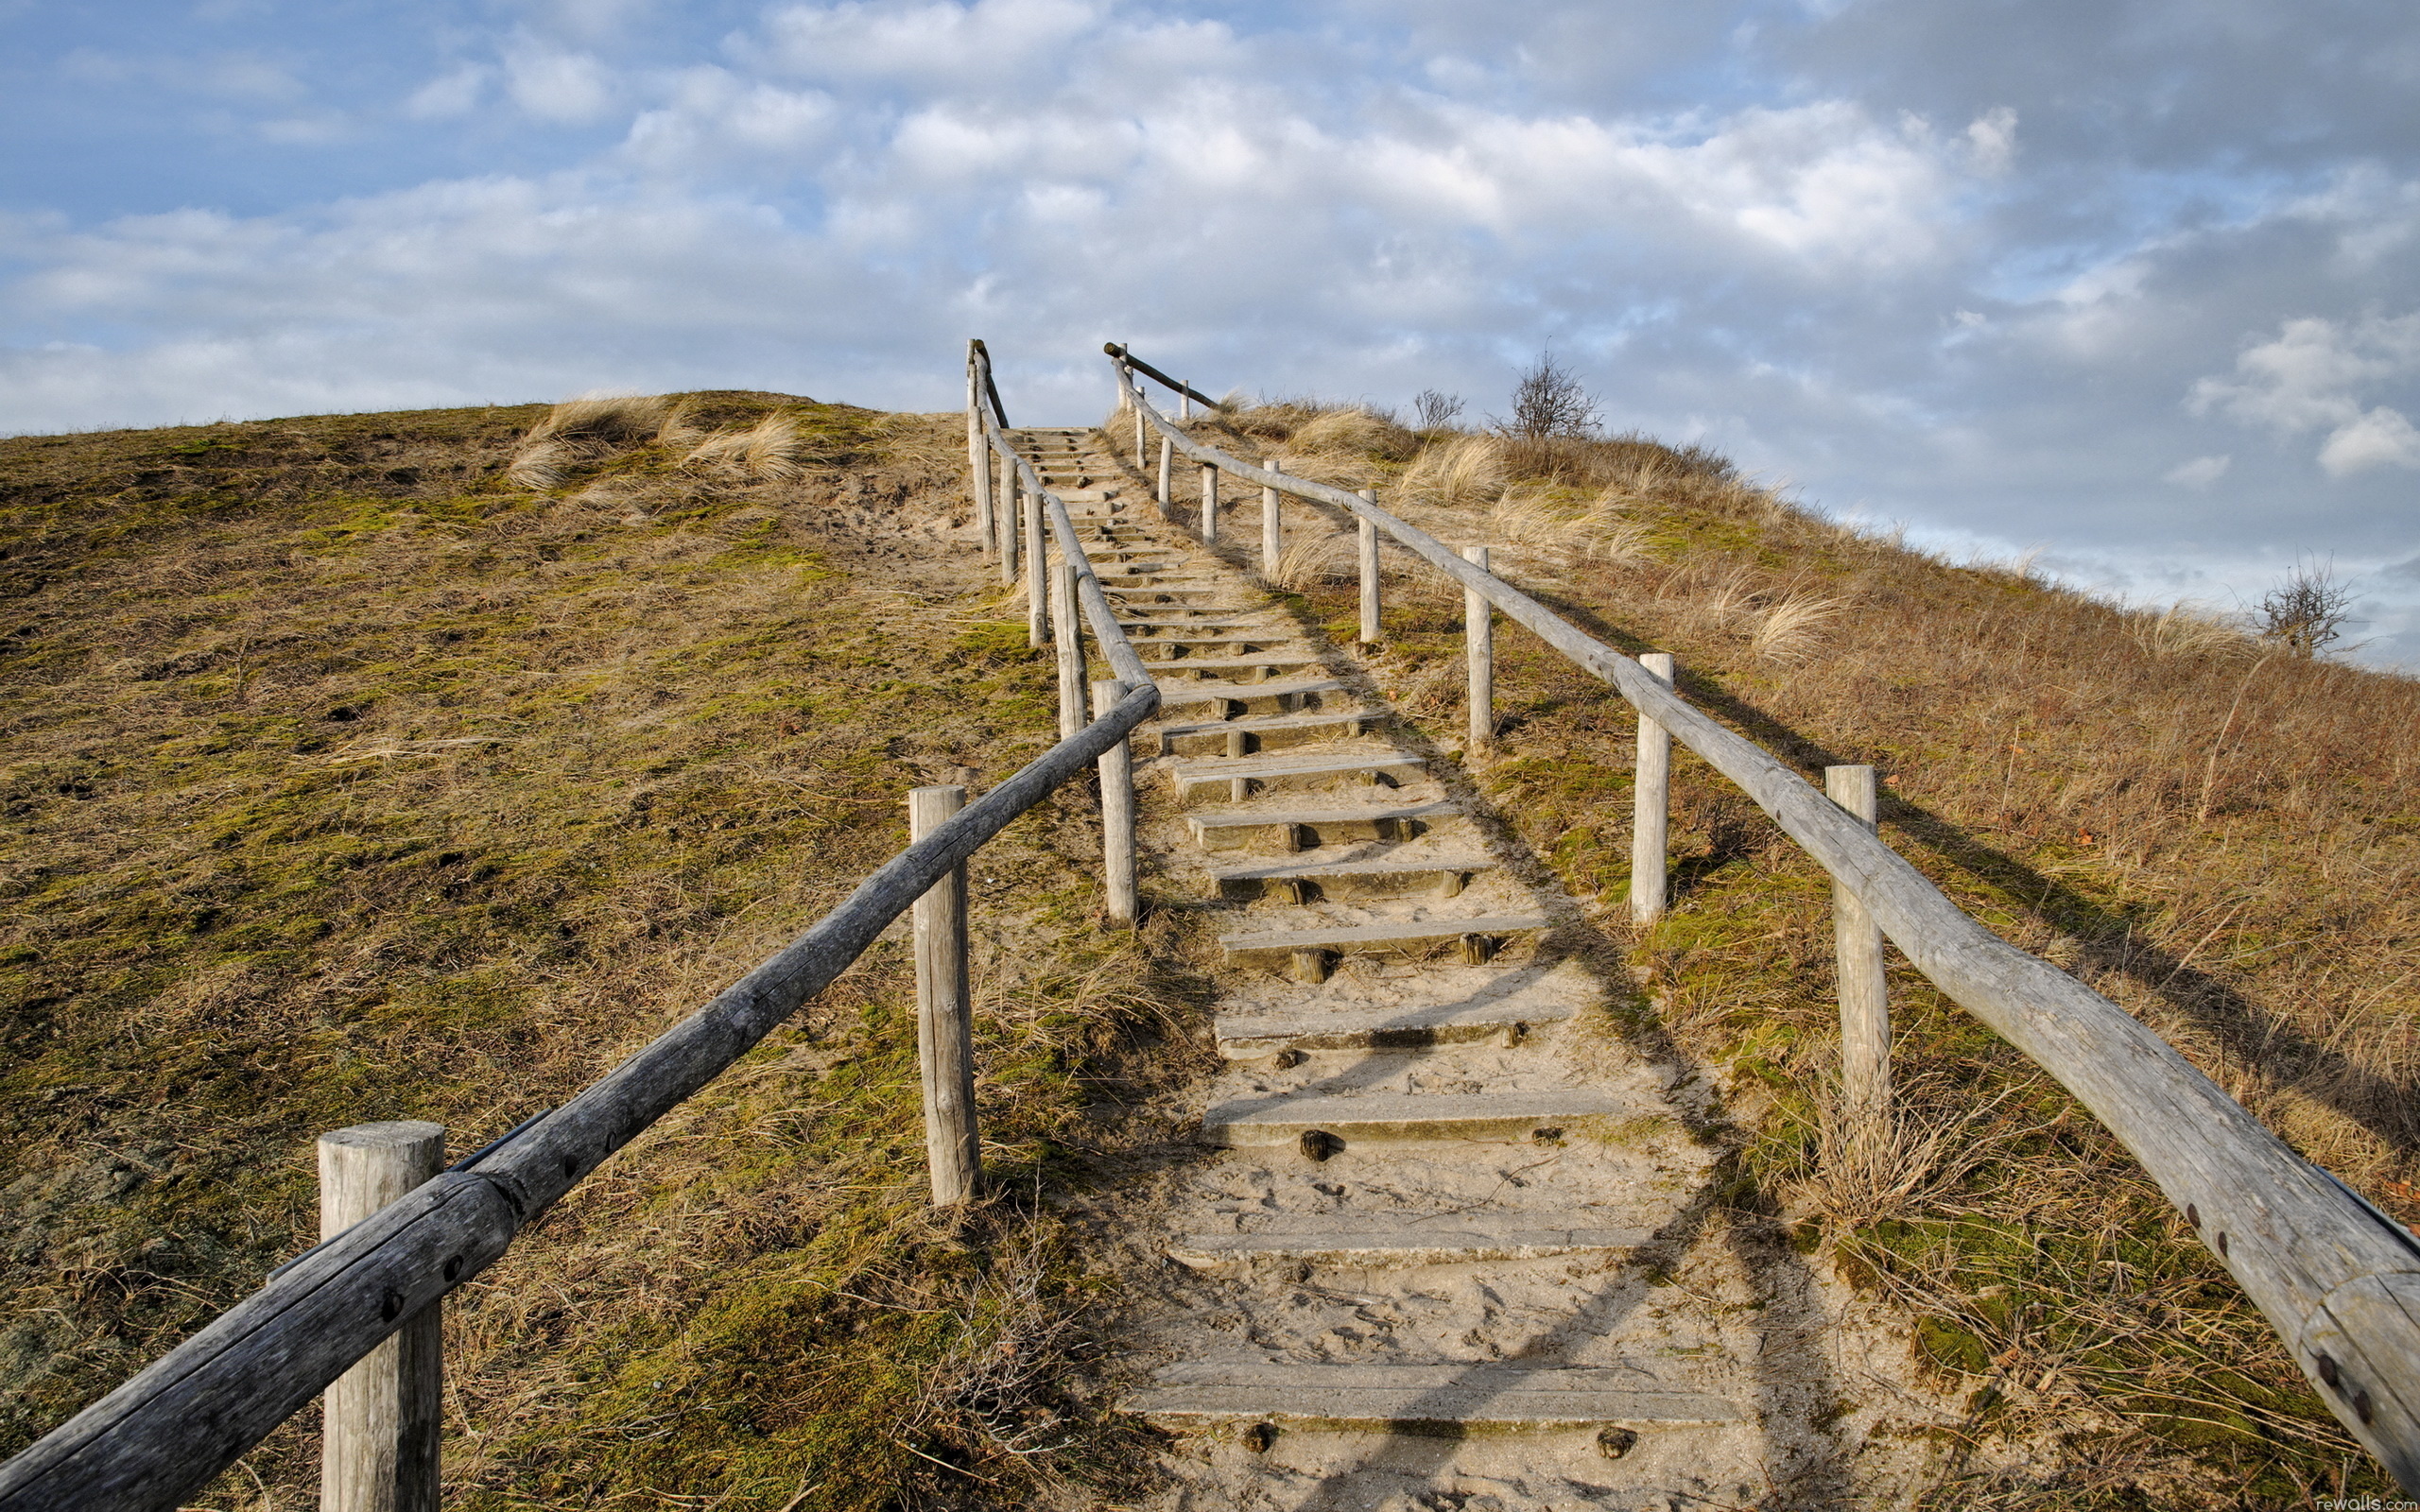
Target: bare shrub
{"x": 2307, "y": 612}
{"x": 1434, "y": 411}
{"x": 1548, "y": 401}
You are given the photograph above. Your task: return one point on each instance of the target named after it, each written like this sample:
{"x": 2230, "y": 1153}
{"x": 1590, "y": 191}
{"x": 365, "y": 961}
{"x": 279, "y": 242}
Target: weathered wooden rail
{"x": 190, "y": 1414}
{"x": 2339, "y": 1280}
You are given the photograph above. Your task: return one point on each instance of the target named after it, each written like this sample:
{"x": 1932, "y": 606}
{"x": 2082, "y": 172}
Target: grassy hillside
{"x": 424, "y": 765}
{"x": 2217, "y": 834}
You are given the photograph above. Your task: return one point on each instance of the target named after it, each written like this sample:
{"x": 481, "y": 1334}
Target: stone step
{"x": 1422, "y": 1398}
{"x": 1306, "y": 952}
{"x": 1288, "y": 696}
{"x": 1391, "y": 1239}
{"x": 1243, "y": 737}
{"x": 1543, "y": 1116}
{"x": 1308, "y": 882}
{"x": 1234, "y": 779}
{"x": 1285, "y": 829}
{"x": 1250, "y": 1037}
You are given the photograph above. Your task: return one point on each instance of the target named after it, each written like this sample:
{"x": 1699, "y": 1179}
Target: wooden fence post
{"x": 1652, "y": 808}
{"x": 944, "y": 1012}
{"x": 1069, "y": 640}
{"x": 1209, "y": 503}
{"x": 1116, "y": 814}
{"x": 1168, "y": 460}
{"x": 1184, "y": 399}
{"x": 978, "y": 459}
{"x": 1271, "y": 527}
{"x": 1141, "y": 455}
{"x": 1004, "y": 518}
{"x": 1865, "y": 1000}
{"x": 1037, "y": 575}
{"x": 1479, "y": 637}
{"x": 1368, "y": 541}
{"x": 382, "y": 1416}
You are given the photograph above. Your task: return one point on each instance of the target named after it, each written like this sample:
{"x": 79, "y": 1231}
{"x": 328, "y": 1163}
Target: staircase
{"x": 1452, "y": 1244}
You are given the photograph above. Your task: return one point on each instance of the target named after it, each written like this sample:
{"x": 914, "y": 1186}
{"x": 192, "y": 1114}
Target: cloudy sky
{"x": 2134, "y": 280}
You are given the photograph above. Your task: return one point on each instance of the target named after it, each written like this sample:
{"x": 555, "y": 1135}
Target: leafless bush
{"x": 2307, "y": 612}
{"x": 1435, "y": 410}
{"x": 1548, "y": 401}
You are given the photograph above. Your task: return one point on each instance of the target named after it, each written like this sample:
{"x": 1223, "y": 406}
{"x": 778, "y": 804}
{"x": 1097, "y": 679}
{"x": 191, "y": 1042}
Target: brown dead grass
{"x": 348, "y": 779}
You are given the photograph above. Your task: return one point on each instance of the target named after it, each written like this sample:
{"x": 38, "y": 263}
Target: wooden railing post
{"x": 1116, "y": 814}
{"x": 1142, "y": 456}
{"x": 1479, "y": 636}
{"x": 1168, "y": 460}
{"x": 1652, "y": 805}
{"x": 1865, "y": 1001}
{"x": 1184, "y": 399}
{"x": 1037, "y": 575}
{"x": 1004, "y": 518}
{"x": 1209, "y": 503}
{"x": 383, "y": 1416}
{"x": 1271, "y": 527}
{"x": 978, "y": 458}
{"x": 1068, "y": 638}
{"x": 944, "y": 1012}
{"x": 1368, "y": 543}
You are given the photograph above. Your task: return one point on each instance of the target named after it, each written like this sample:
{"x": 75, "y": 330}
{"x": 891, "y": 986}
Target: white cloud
{"x": 2309, "y": 378}
{"x": 569, "y": 88}
{"x": 451, "y": 94}
{"x": 867, "y": 39}
{"x": 2200, "y": 472}
{"x": 2378, "y": 438}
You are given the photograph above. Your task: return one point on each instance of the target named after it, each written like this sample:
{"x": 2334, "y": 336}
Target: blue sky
{"x": 2136, "y": 282}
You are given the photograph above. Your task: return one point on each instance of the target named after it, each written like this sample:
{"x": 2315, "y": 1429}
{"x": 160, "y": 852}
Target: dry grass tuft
{"x": 2188, "y": 629}
{"x": 581, "y": 430}
{"x": 1358, "y": 433}
{"x": 1460, "y": 472}
{"x": 764, "y": 452}
{"x": 1790, "y": 628}
{"x": 1312, "y": 561}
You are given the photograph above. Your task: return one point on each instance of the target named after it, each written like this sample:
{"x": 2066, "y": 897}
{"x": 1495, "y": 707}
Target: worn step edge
{"x": 1446, "y": 1396}
{"x": 1248, "y": 1037}
{"x": 1229, "y": 832}
{"x": 1282, "y": 1120}
{"x": 1177, "y": 695}
{"x": 1409, "y": 932}
{"x": 1443, "y": 876}
{"x": 1286, "y": 730}
{"x": 1215, "y": 775}
{"x": 1408, "y": 1239}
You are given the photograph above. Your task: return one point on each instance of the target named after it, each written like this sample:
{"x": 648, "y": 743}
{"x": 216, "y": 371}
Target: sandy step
{"x": 1180, "y": 648}
{"x": 1245, "y": 737}
{"x": 1157, "y": 593}
{"x": 1250, "y": 1037}
{"x": 1416, "y": 1397}
{"x": 1293, "y": 830}
{"x": 1234, "y": 699}
{"x": 1310, "y": 880}
{"x": 1414, "y": 1239}
{"x": 1306, "y": 952}
{"x": 1285, "y": 1119}
{"x": 1192, "y": 624}
{"x": 1235, "y": 779}
{"x": 1245, "y": 671}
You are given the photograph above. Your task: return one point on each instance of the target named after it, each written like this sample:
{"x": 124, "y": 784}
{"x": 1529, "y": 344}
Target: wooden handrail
{"x": 982, "y": 360}
{"x": 186, "y": 1417}
{"x": 1172, "y": 384}
{"x": 2339, "y": 1280}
